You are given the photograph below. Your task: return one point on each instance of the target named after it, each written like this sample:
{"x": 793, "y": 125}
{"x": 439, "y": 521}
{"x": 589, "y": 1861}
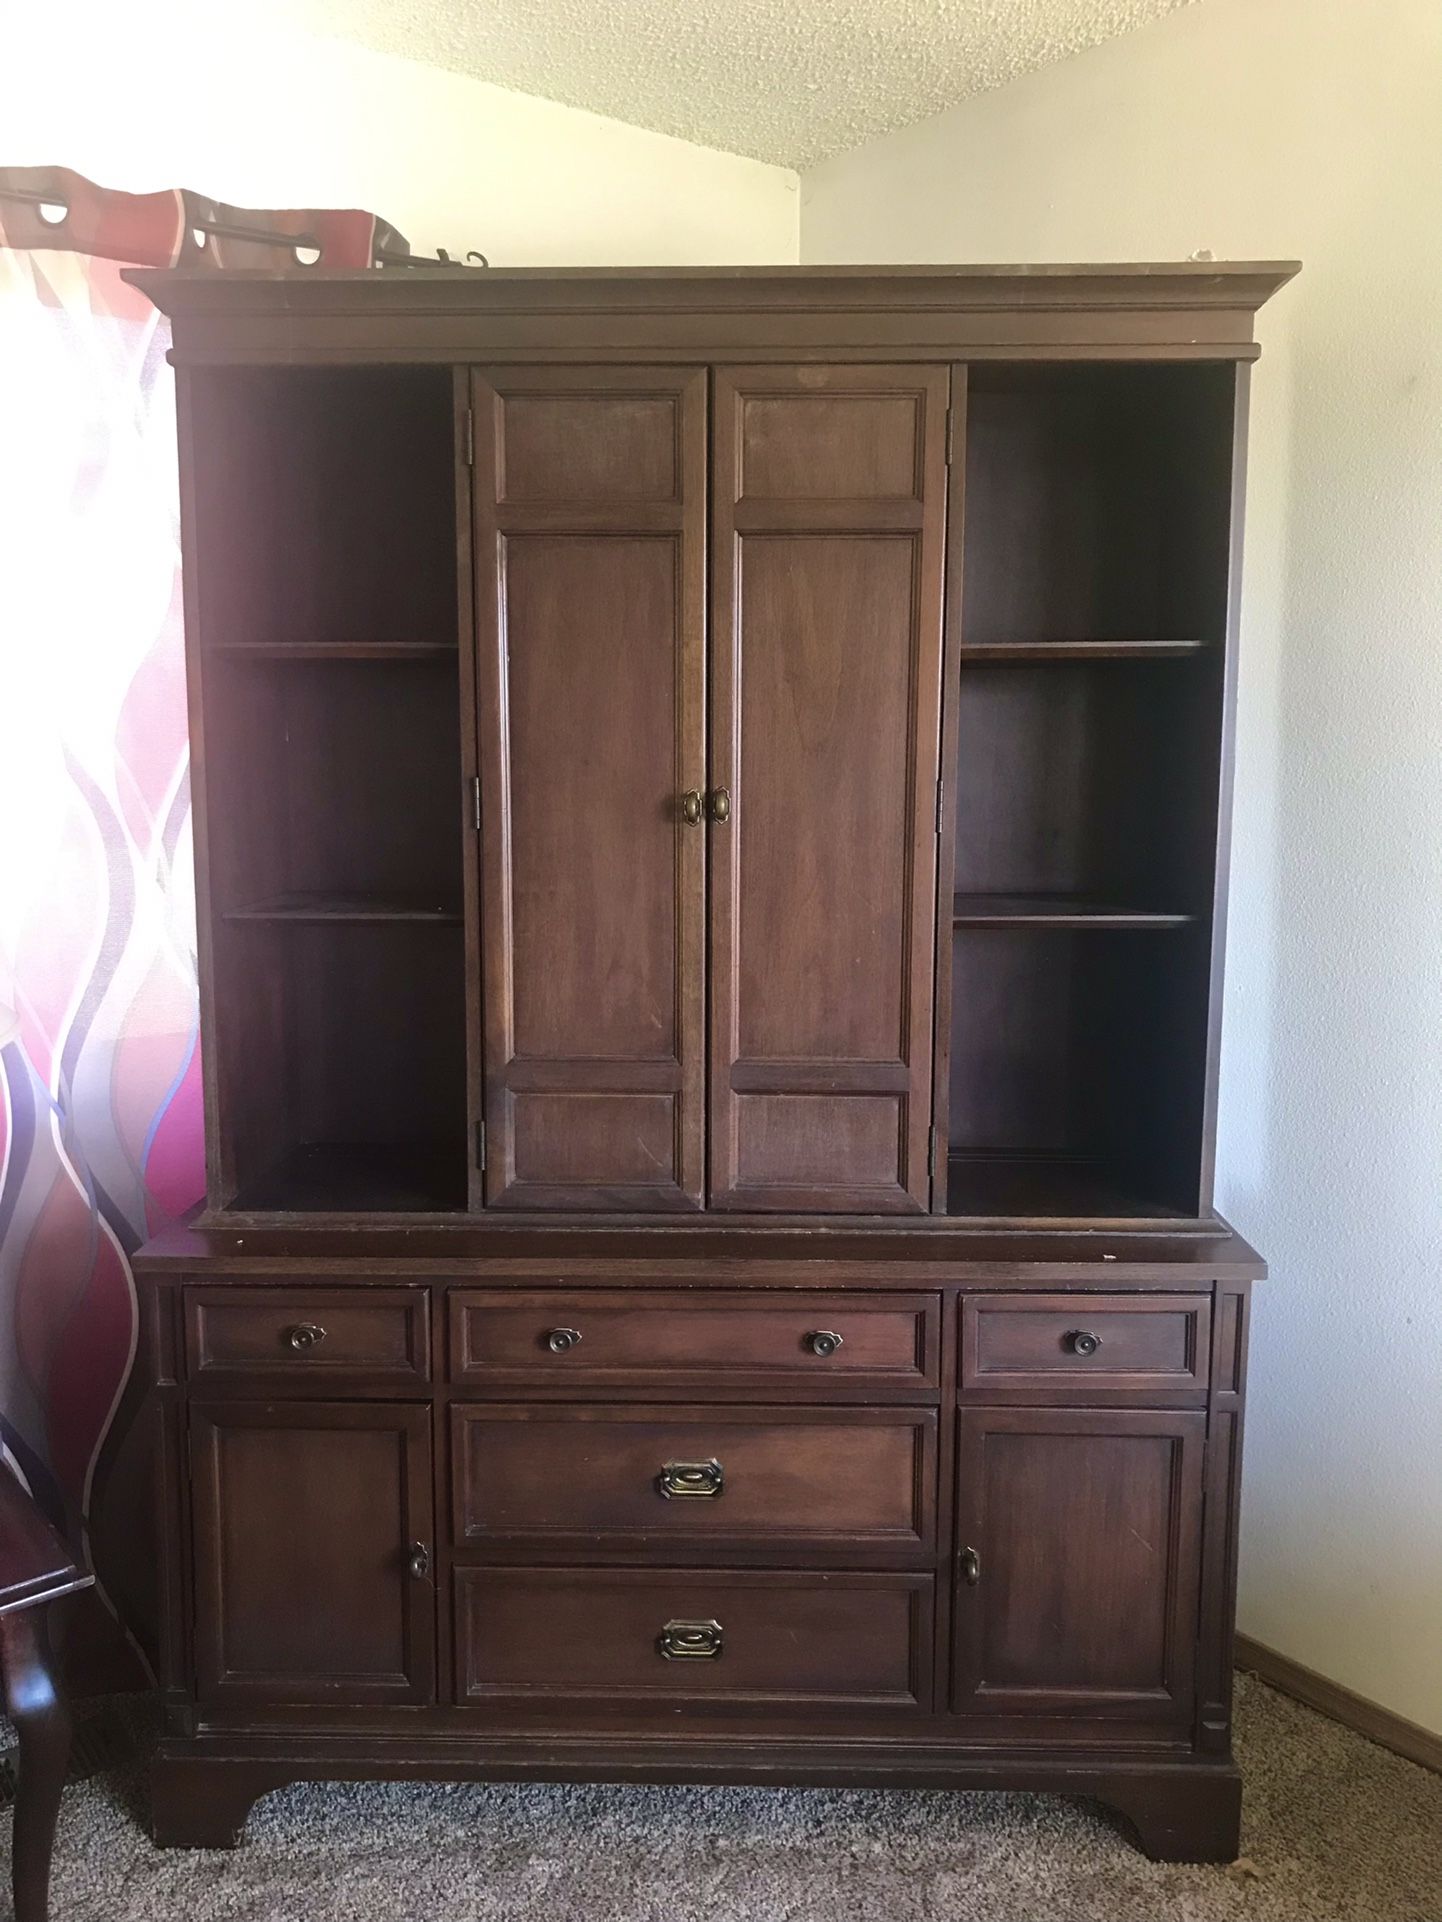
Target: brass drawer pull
{"x": 718, "y": 804}
{"x": 970, "y": 1567}
{"x": 702, "y": 1481}
{"x": 561, "y": 1339}
{"x": 691, "y": 806}
{"x": 691, "y": 1641}
{"x": 418, "y": 1561}
{"x": 304, "y": 1336}
{"x": 823, "y": 1342}
{"x": 1082, "y": 1342}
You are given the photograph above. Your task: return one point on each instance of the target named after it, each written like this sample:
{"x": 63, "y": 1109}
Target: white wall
{"x": 275, "y": 119}
{"x": 1276, "y": 128}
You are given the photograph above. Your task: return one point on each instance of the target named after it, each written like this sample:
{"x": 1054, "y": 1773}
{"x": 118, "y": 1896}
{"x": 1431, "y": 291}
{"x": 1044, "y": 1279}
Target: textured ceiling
{"x": 790, "y": 81}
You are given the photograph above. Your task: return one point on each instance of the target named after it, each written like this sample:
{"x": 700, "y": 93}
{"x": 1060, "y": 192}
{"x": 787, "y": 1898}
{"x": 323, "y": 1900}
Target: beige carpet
{"x": 1334, "y": 1828}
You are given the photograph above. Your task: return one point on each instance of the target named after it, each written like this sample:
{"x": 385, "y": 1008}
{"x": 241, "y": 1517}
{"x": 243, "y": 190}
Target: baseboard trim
{"x": 1378, "y": 1724}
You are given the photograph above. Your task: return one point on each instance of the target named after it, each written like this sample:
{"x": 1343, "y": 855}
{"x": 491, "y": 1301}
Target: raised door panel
{"x": 590, "y": 502}
{"x": 829, "y": 505}
{"x": 1078, "y": 1545}
{"x": 306, "y": 1523}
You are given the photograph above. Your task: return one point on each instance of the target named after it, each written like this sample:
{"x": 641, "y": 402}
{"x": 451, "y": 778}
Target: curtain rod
{"x": 260, "y": 236}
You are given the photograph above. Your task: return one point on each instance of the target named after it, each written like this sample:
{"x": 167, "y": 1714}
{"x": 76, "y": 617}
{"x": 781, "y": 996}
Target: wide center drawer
{"x": 862, "y": 1479}
{"x": 705, "y": 1636}
{"x": 802, "y": 1342}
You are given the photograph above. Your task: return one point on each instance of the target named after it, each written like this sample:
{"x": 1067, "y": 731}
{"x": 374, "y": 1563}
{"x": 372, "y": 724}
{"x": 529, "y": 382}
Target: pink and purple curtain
{"x": 100, "y": 1133}
{"x": 100, "y": 1098}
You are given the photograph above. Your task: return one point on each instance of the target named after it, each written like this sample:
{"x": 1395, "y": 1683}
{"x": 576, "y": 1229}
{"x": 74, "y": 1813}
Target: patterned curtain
{"x": 100, "y": 1097}
{"x": 100, "y": 1117}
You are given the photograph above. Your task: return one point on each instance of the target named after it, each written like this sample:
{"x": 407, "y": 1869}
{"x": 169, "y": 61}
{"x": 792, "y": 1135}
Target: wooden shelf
{"x": 1031, "y": 1186}
{"x": 333, "y": 1177}
{"x": 340, "y": 907}
{"x": 1055, "y": 911}
{"x": 335, "y": 650}
{"x": 994, "y": 652}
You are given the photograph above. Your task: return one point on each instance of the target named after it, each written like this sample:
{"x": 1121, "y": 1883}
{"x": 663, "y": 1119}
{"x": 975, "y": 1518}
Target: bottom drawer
{"x": 845, "y": 1641}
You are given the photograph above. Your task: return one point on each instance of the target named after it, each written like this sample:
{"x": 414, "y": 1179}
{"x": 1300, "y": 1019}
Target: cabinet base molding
{"x": 1353, "y": 1711}
{"x": 1181, "y": 1811}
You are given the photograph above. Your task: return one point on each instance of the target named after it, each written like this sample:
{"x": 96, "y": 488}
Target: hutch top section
{"x": 1182, "y": 310}
{"x": 740, "y": 742}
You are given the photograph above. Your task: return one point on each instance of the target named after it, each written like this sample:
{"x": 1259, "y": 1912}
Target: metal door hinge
{"x": 940, "y": 805}
{"x": 476, "y": 802}
{"x": 470, "y": 437}
{"x": 950, "y": 435}
{"x": 481, "y": 1146}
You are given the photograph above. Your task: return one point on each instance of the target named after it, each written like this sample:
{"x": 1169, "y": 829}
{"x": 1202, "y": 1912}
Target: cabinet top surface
{"x": 422, "y": 289}
{"x": 887, "y": 1253}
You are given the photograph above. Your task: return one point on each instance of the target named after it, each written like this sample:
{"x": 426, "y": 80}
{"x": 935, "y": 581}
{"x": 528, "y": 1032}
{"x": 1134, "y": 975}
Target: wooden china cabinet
{"x": 711, "y": 806}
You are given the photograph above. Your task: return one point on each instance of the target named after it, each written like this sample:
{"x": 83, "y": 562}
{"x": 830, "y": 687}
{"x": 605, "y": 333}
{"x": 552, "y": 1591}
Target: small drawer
{"x": 1078, "y": 1348}
{"x": 663, "y": 1481}
{"x": 697, "y": 1341}
{"x": 289, "y": 1337}
{"x": 720, "y": 1638}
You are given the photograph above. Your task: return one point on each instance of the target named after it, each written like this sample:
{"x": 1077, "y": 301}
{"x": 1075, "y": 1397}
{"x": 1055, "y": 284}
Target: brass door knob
{"x": 1081, "y": 1341}
{"x": 823, "y": 1341}
{"x": 718, "y": 804}
{"x": 692, "y": 803}
{"x": 970, "y": 1567}
{"x": 304, "y": 1336}
{"x": 561, "y": 1339}
{"x": 418, "y": 1561}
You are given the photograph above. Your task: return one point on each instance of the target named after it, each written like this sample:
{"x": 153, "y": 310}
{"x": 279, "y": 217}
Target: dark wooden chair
{"x": 36, "y": 1568}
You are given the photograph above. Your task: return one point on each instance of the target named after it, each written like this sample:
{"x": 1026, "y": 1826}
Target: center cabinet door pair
{"x": 709, "y": 783}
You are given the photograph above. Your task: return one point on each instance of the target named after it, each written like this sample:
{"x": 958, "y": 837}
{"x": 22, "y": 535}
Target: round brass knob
{"x": 1082, "y": 1342}
{"x": 418, "y": 1561}
{"x": 719, "y": 804}
{"x": 560, "y": 1339}
{"x": 823, "y": 1342}
{"x": 692, "y": 803}
{"x": 304, "y": 1336}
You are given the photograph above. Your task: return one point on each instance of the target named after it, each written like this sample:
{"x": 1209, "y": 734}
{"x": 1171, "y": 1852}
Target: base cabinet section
{"x": 313, "y": 1552}
{"x": 706, "y": 1637}
{"x": 1078, "y": 1550}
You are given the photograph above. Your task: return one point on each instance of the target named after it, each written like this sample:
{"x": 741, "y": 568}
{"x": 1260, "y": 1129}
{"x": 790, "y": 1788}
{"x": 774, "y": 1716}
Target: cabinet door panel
{"x": 1086, "y": 1528}
{"x": 304, "y": 1521}
{"x": 590, "y": 501}
{"x": 829, "y": 502}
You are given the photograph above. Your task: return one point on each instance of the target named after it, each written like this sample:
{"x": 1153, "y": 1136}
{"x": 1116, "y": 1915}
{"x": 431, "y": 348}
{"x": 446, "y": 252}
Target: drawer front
{"x": 1081, "y": 1348}
{"x": 702, "y": 1342}
{"x": 624, "y": 1636}
{"x": 303, "y": 1337}
{"x": 662, "y": 1480}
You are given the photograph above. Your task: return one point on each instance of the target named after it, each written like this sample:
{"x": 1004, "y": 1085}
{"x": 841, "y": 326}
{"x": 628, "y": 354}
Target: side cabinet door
{"x": 1079, "y": 1550}
{"x": 590, "y": 580}
{"x": 307, "y": 1519}
{"x": 829, "y": 506}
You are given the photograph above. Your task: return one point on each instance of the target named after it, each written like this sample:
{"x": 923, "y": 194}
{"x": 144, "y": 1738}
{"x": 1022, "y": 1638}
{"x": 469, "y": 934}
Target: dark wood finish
{"x": 308, "y": 1340}
{"x": 657, "y": 1104}
{"x": 36, "y": 1571}
{"x": 717, "y": 1343}
{"x": 858, "y": 1482}
{"x": 1191, "y": 311}
{"x": 828, "y": 519}
{"x": 1082, "y": 1349}
{"x": 1086, "y": 1525}
{"x": 787, "y": 1640}
{"x": 590, "y": 536}
{"x": 305, "y": 1518}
